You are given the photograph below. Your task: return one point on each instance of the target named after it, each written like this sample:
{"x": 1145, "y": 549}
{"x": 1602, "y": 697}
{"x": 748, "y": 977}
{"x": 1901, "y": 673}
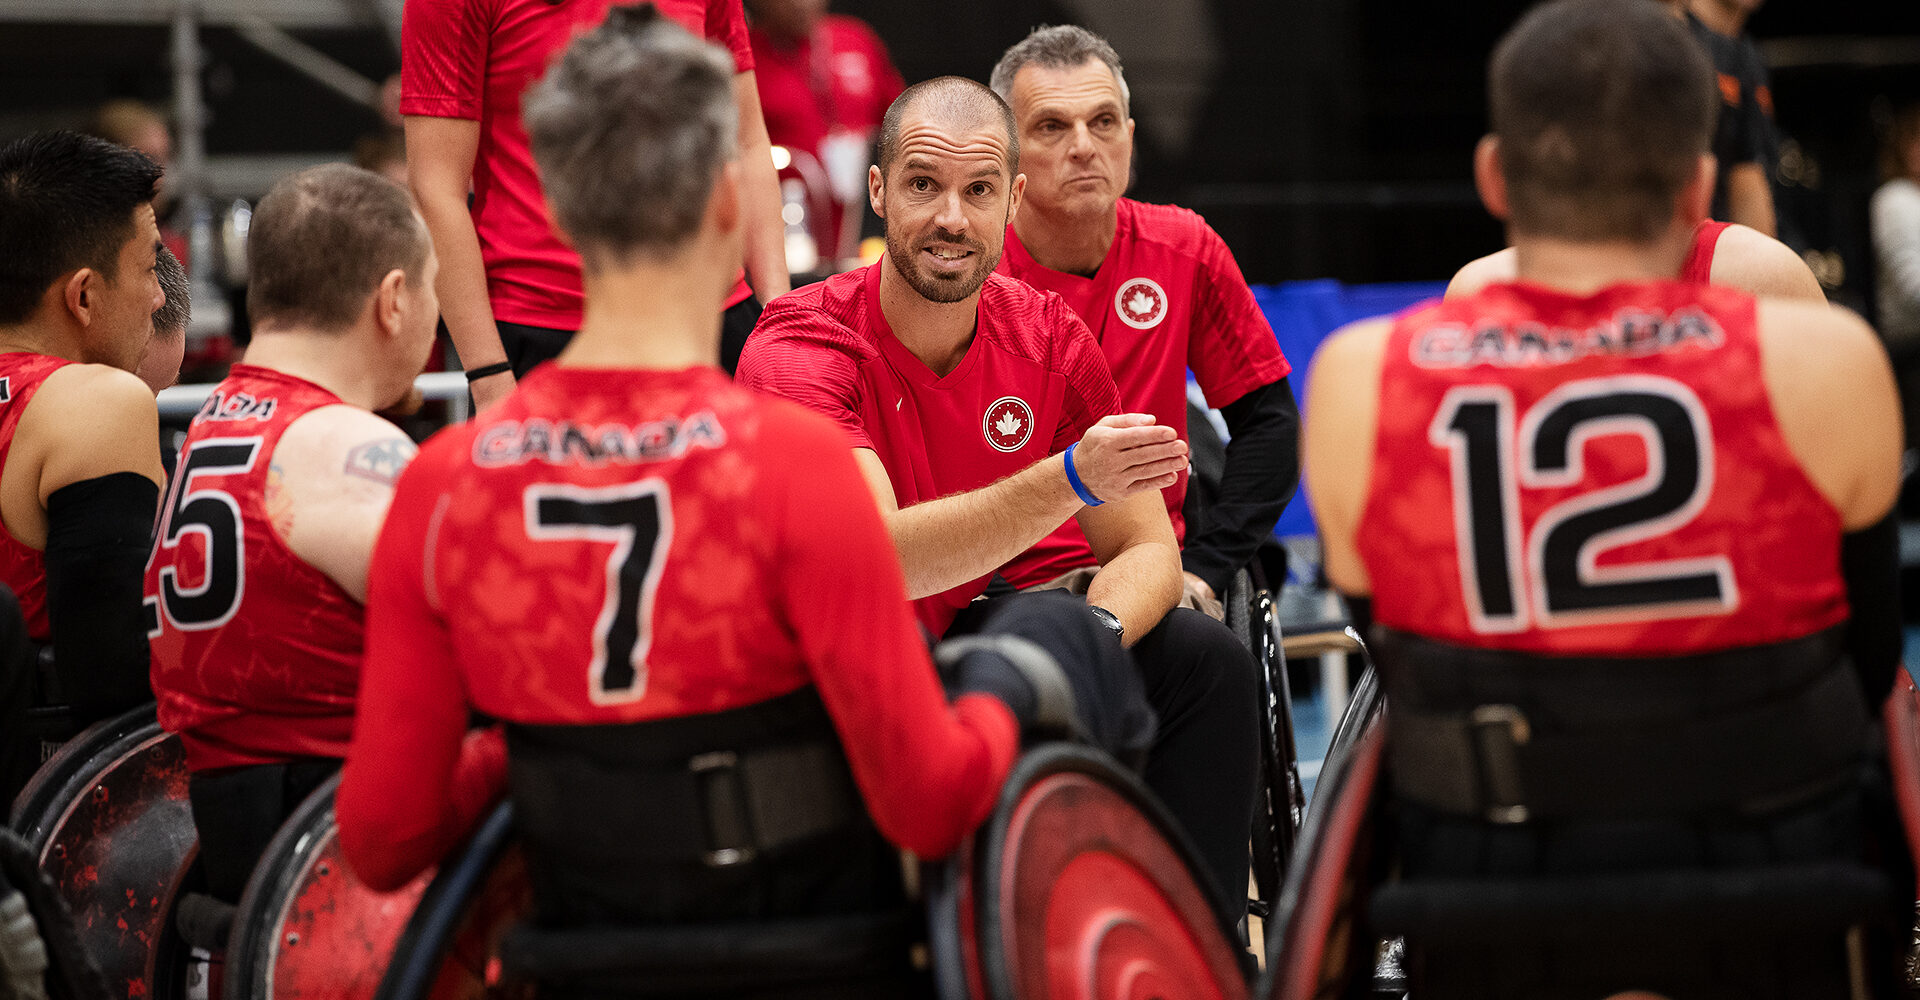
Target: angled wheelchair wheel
{"x": 306, "y": 928}
{"x": 107, "y": 820}
{"x": 1079, "y": 888}
{"x": 449, "y": 949}
{"x": 1318, "y": 944}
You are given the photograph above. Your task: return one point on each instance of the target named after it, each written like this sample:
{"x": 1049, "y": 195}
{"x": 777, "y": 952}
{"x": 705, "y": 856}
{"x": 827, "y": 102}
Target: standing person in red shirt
{"x": 1627, "y": 542}
{"x": 1161, "y": 293}
{"x": 825, "y": 83}
{"x": 79, "y": 436}
{"x": 983, "y": 416}
{"x": 509, "y": 286}
{"x": 677, "y": 533}
{"x": 256, "y": 585}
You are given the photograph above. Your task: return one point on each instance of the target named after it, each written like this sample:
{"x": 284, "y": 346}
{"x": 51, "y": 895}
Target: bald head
{"x": 954, "y": 102}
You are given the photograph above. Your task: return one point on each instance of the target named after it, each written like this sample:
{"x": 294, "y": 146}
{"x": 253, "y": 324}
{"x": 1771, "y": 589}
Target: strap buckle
{"x": 729, "y": 820}
{"x": 1498, "y": 731}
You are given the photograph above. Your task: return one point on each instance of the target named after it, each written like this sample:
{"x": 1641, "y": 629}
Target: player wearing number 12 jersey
{"x": 259, "y": 564}
{"x": 1627, "y": 547}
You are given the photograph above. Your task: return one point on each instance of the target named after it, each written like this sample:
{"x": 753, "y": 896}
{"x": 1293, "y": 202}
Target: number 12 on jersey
{"x": 1514, "y": 574}
{"x": 638, "y": 519}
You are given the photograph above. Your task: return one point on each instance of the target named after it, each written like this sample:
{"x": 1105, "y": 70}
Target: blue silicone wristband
{"x": 1073, "y": 479}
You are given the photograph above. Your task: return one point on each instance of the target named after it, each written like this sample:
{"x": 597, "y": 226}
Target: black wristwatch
{"x": 1107, "y": 618}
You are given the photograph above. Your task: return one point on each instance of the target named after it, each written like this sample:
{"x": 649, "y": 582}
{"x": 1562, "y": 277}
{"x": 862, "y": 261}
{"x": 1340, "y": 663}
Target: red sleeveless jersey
{"x": 1592, "y": 475}
{"x": 1698, "y": 268}
{"x": 256, "y": 654}
{"x": 23, "y": 569}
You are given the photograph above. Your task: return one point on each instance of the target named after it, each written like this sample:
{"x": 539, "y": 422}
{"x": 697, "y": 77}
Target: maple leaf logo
{"x": 1140, "y": 303}
{"x": 1008, "y": 425}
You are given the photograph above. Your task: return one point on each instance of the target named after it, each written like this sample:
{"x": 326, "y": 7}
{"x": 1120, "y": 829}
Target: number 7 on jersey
{"x": 638, "y": 519}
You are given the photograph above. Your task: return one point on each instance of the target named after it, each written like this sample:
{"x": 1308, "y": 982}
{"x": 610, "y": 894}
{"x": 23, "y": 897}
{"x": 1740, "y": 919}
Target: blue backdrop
{"x": 1303, "y": 313}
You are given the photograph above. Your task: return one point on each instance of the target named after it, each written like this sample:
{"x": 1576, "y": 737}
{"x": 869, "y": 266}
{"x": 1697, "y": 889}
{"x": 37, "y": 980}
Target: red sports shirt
{"x": 474, "y": 59}
{"x": 23, "y": 569}
{"x": 1169, "y": 297}
{"x": 256, "y": 654}
{"x": 1592, "y": 475}
{"x": 1031, "y": 384}
{"x": 617, "y": 546}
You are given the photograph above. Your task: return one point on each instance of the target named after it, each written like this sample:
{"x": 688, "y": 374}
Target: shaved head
{"x": 953, "y": 101}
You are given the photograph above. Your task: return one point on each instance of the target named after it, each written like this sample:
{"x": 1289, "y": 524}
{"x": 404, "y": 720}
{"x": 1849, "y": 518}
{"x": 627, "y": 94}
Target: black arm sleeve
{"x": 1870, "y": 564}
{"x": 97, "y": 537}
{"x": 1263, "y": 468}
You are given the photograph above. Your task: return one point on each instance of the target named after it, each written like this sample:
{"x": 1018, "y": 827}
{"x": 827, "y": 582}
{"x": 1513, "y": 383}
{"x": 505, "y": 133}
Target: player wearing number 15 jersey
{"x": 1625, "y": 539}
{"x": 259, "y": 564}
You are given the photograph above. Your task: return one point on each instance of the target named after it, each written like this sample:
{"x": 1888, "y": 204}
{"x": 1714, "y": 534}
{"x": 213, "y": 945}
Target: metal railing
{"x": 181, "y": 402}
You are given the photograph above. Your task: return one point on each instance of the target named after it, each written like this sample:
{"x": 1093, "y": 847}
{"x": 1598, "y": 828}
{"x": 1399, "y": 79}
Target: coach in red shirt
{"x": 509, "y": 284}
{"x": 1161, "y": 293}
{"x": 983, "y": 417}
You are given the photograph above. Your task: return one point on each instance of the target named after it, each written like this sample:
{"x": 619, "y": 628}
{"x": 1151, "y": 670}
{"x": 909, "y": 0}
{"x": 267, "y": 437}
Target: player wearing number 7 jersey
{"x": 1626, "y": 539}
{"x": 675, "y": 593}
{"x": 255, "y": 586}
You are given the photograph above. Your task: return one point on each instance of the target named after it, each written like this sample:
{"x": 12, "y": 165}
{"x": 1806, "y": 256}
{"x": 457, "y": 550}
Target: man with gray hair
{"x": 712, "y": 578}
{"x": 1161, "y": 293}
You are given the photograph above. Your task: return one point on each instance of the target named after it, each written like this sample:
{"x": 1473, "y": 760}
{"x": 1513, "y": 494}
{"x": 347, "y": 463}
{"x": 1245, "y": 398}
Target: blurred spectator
{"x": 1743, "y": 139}
{"x": 138, "y": 126}
{"x": 1895, "y": 215}
{"x": 384, "y": 153}
{"x": 825, "y": 82}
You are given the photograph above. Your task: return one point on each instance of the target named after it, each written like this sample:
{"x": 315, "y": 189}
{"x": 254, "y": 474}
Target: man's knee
{"x": 1190, "y": 652}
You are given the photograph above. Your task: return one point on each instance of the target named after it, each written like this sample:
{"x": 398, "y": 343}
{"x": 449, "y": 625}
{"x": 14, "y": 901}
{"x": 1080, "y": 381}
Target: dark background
{"x": 1332, "y": 140}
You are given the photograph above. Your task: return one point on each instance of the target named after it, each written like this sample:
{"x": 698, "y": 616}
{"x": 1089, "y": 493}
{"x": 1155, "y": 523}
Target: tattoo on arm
{"x": 381, "y": 461}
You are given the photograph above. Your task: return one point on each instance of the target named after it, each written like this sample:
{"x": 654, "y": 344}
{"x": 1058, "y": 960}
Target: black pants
{"x": 238, "y": 810}
{"x": 1204, "y": 761}
{"x": 527, "y": 346}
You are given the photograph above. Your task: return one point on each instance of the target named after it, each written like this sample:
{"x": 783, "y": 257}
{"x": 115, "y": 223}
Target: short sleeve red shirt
{"x": 1031, "y": 384}
{"x": 1169, "y": 297}
{"x": 474, "y": 59}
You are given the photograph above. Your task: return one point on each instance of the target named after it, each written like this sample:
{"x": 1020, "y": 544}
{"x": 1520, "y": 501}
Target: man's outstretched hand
{"x": 1128, "y": 453}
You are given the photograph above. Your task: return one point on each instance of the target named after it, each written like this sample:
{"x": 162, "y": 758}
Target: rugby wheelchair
{"x": 1075, "y": 887}
{"x": 1345, "y": 910}
{"x": 107, "y": 822}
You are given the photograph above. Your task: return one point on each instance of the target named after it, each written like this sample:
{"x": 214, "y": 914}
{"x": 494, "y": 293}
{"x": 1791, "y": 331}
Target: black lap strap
{"x": 716, "y": 957}
{"x": 1490, "y": 762}
{"x": 1732, "y": 903}
{"x": 715, "y": 789}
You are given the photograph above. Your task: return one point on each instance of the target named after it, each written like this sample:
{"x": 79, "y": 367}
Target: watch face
{"x": 1108, "y": 619}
